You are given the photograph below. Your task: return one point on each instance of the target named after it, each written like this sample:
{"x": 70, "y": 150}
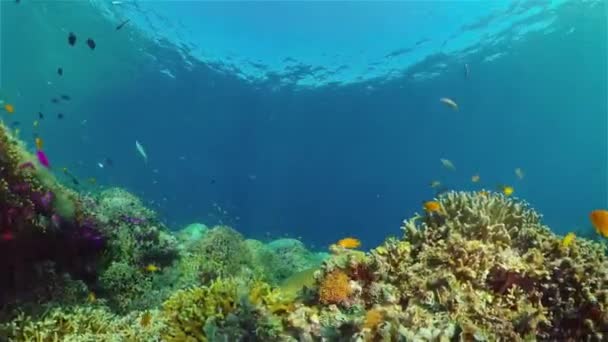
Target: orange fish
{"x": 432, "y": 206}
{"x": 9, "y": 108}
{"x": 599, "y": 219}
{"x": 349, "y": 243}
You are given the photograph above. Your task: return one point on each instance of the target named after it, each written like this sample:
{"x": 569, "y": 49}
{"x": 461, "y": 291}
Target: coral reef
{"x": 102, "y": 268}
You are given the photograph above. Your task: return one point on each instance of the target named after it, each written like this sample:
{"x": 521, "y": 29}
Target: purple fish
{"x": 44, "y": 161}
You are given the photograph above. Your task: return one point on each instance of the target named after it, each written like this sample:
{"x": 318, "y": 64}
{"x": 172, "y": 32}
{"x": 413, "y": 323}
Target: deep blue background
{"x": 347, "y": 160}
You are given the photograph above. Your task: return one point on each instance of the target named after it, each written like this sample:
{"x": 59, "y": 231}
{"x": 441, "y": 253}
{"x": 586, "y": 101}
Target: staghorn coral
{"x": 84, "y": 324}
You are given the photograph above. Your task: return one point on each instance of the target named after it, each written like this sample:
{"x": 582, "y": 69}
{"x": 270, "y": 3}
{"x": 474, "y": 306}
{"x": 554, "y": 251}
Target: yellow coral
{"x": 335, "y": 288}
{"x": 372, "y": 318}
{"x": 187, "y": 311}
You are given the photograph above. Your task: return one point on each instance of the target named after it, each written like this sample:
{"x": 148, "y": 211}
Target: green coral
{"x": 222, "y": 252}
{"x": 125, "y": 286}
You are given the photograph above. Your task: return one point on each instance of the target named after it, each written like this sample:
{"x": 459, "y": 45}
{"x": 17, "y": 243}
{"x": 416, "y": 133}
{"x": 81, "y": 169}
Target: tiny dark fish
{"x": 60, "y": 71}
{"x": 60, "y": 116}
{"x": 109, "y": 162}
{"x": 121, "y": 25}
{"x": 212, "y": 181}
{"x": 17, "y": 1}
{"x": 91, "y": 43}
{"x": 71, "y": 39}
{"x": 55, "y": 100}
{"x": 40, "y": 115}
{"x": 75, "y": 181}
{"x": 16, "y": 123}
{"x": 65, "y": 97}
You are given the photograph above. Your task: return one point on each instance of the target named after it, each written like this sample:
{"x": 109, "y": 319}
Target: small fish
{"x": 519, "y": 173}
{"x": 141, "y": 151}
{"x": 467, "y": 71}
{"x": 17, "y": 131}
{"x": 35, "y": 123}
{"x": 109, "y": 162}
{"x": 16, "y": 123}
{"x": 70, "y": 176}
{"x": 435, "y": 184}
{"x": 121, "y": 25}
{"x": 65, "y": 97}
{"x": 349, "y": 243}
{"x": 9, "y": 108}
{"x": 447, "y": 164}
{"x": 59, "y": 116}
{"x": 212, "y": 181}
{"x": 151, "y": 268}
{"x": 568, "y": 240}
{"x": 39, "y": 143}
{"x": 42, "y": 159}
{"x": 145, "y": 319}
{"x": 60, "y": 71}
{"x": 475, "y": 178}
{"x": 432, "y": 206}
{"x": 484, "y": 193}
{"x": 55, "y": 100}
{"x": 71, "y": 39}
{"x": 507, "y": 190}
{"x": 100, "y": 165}
{"x": 91, "y": 297}
{"x": 91, "y": 44}
{"x": 449, "y": 102}
{"x": 92, "y": 180}
{"x": 40, "y": 116}
{"x": 599, "y": 219}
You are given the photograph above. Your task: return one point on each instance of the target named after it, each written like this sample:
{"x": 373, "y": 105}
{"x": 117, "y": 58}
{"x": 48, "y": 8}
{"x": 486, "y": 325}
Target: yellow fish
{"x": 449, "y": 102}
{"x": 475, "y": 178}
{"x": 568, "y": 239}
{"x": 9, "y": 108}
{"x": 152, "y": 268}
{"x": 91, "y": 297}
{"x": 39, "y": 143}
{"x": 349, "y": 243}
{"x": 507, "y": 190}
{"x": 484, "y": 193}
{"x": 432, "y": 206}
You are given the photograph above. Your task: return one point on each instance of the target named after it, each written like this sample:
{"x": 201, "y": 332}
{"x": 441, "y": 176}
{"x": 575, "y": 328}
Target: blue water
{"x": 318, "y": 120}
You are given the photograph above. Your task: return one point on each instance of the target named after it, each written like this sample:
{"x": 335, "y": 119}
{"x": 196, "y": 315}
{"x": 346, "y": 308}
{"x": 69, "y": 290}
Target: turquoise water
{"x": 316, "y": 120}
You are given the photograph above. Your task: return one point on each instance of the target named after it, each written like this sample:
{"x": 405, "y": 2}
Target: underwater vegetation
{"x": 473, "y": 266}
